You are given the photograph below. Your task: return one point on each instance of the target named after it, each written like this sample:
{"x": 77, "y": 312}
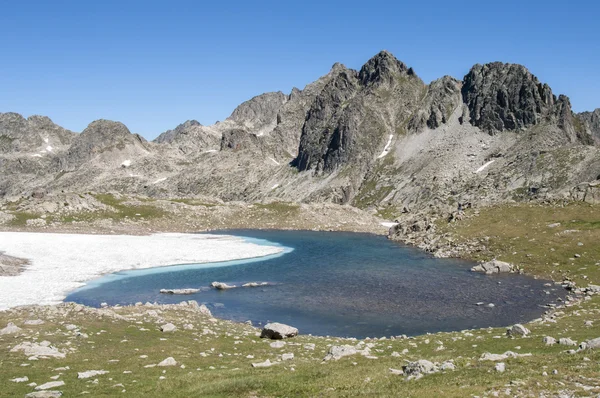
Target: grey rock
{"x": 518, "y": 330}
{"x": 44, "y": 394}
{"x": 337, "y": 352}
{"x": 179, "y": 291}
{"x": 493, "y": 267}
{"x": 420, "y": 367}
{"x": 593, "y": 344}
{"x": 91, "y": 373}
{"x": 50, "y": 384}
{"x": 10, "y": 328}
{"x": 506, "y": 97}
{"x": 549, "y": 340}
{"x": 222, "y": 286}
{"x": 566, "y": 341}
{"x": 170, "y": 361}
{"x": 168, "y": 328}
{"x": 255, "y": 284}
{"x": 500, "y": 367}
{"x": 277, "y": 331}
{"x": 43, "y": 349}
{"x": 264, "y": 364}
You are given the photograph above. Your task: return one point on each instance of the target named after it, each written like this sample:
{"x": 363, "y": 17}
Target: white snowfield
{"x": 61, "y": 263}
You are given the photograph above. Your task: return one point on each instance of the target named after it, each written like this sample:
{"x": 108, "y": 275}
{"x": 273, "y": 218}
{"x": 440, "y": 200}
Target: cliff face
{"x": 378, "y": 138}
{"x": 351, "y": 119}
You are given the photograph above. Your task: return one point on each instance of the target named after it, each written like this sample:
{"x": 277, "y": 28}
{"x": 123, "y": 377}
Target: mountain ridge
{"x": 378, "y": 138}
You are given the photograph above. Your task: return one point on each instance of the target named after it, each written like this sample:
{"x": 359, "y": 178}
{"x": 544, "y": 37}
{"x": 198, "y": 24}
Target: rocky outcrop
{"x": 591, "y": 123}
{"x": 503, "y": 97}
{"x": 102, "y": 138}
{"x": 442, "y": 99}
{"x": 35, "y": 135}
{"x": 191, "y": 137}
{"x": 259, "y": 114}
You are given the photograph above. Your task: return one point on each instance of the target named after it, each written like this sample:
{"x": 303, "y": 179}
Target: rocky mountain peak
{"x": 100, "y": 137}
{"x": 506, "y": 97}
{"x": 18, "y": 134}
{"x": 259, "y": 111}
{"x": 382, "y": 67}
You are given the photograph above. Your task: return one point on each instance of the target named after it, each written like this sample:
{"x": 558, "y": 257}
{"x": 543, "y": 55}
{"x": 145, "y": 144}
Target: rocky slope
{"x": 378, "y": 138}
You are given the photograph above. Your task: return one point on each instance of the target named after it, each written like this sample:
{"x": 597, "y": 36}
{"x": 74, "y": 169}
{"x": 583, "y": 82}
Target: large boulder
{"x": 278, "y": 331}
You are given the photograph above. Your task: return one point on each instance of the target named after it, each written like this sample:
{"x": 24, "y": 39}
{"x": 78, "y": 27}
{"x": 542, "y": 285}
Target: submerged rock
{"x": 222, "y": 286}
{"x": 179, "y": 291}
{"x": 277, "y": 331}
{"x": 255, "y": 284}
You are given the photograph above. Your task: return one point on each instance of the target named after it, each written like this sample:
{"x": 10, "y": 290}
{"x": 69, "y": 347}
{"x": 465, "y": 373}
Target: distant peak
{"x": 383, "y": 66}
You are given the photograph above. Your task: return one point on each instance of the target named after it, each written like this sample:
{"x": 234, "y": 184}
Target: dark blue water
{"x": 341, "y": 284}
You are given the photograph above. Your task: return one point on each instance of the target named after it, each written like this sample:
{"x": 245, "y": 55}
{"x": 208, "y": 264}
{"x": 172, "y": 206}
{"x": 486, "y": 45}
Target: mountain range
{"x": 378, "y": 138}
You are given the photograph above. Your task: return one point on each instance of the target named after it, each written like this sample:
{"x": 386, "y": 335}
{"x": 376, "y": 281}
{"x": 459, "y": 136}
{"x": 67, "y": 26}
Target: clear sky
{"x": 155, "y": 64}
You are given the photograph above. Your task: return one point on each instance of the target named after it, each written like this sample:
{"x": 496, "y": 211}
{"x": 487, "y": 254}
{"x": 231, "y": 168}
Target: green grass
{"x": 517, "y": 233}
{"x": 520, "y": 235}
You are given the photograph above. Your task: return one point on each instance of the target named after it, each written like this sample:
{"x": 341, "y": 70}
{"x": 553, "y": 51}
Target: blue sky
{"x": 153, "y": 65}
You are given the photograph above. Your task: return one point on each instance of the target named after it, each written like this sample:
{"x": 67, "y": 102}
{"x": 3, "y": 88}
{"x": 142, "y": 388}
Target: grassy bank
{"x": 215, "y": 354}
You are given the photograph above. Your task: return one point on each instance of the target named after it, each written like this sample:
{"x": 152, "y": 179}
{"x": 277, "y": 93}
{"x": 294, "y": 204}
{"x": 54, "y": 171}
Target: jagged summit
{"x": 504, "y": 96}
{"x": 375, "y": 138}
{"x": 382, "y": 67}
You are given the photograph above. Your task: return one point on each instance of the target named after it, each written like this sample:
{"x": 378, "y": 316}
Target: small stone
{"x": 287, "y": 357}
{"x": 500, "y": 367}
{"x": 549, "y": 340}
{"x": 168, "y": 328}
{"x": 49, "y": 385}
{"x": 277, "y": 344}
{"x": 90, "y": 373}
{"x": 170, "y": 361}
{"x": 566, "y": 341}
{"x": 264, "y": 364}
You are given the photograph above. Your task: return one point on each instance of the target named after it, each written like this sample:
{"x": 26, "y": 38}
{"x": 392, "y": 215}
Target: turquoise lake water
{"x": 339, "y": 284}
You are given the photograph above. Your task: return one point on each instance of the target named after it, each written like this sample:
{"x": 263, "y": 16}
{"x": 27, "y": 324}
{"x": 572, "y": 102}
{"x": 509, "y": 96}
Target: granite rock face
{"x": 101, "y": 138}
{"x": 591, "y": 121}
{"x": 377, "y": 138}
{"x": 35, "y": 135}
{"x": 506, "y": 97}
{"x": 191, "y": 137}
